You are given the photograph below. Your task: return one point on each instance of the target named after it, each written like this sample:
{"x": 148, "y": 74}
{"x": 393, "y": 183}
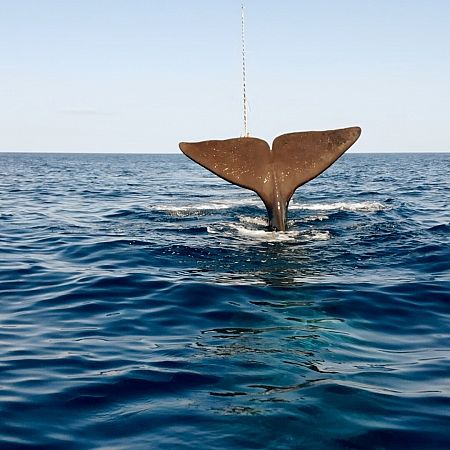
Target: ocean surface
{"x": 143, "y": 305}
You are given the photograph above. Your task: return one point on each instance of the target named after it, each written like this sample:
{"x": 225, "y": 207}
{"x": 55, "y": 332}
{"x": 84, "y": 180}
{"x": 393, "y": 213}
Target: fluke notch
{"x": 274, "y": 175}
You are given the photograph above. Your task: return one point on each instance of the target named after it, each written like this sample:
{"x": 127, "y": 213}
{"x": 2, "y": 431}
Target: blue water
{"x": 143, "y": 305}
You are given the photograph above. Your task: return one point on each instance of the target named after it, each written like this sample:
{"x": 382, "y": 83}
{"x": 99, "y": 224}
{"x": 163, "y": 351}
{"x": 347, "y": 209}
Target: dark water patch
{"x": 443, "y": 228}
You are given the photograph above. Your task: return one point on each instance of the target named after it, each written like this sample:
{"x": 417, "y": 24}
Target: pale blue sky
{"x": 139, "y": 76}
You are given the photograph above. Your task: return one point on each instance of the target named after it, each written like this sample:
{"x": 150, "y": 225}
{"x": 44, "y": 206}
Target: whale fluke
{"x": 274, "y": 175}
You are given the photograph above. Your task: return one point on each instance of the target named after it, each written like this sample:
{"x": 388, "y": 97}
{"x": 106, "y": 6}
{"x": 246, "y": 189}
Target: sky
{"x": 138, "y": 76}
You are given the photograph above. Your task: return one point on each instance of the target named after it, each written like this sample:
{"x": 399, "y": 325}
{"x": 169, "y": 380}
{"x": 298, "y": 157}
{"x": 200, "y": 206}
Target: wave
{"x": 264, "y": 235}
{"x": 254, "y": 220}
{"x": 258, "y": 234}
{"x": 340, "y": 206}
{"x": 138, "y": 327}
{"x": 441, "y": 228}
{"x": 184, "y": 210}
{"x": 318, "y": 218}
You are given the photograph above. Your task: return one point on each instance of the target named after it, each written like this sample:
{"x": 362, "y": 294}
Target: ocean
{"x": 145, "y": 306}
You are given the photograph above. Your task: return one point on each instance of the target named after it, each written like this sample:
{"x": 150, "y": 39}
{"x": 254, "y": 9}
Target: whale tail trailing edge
{"x": 274, "y": 175}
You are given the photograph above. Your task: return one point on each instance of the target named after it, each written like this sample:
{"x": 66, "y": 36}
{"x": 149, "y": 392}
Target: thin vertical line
{"x": 244, "y": 80}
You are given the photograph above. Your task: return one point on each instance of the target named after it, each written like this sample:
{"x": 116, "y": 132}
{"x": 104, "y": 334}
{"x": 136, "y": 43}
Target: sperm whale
{"x": 273, "y": 173}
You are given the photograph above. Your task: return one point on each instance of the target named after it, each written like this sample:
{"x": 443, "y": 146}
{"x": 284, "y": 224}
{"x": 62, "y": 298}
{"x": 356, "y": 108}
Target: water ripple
{"x": 144, "y": 304}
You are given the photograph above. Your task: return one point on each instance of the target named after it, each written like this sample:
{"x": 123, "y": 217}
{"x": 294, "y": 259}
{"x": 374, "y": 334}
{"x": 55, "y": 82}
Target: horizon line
{"x": 89, "y": 152}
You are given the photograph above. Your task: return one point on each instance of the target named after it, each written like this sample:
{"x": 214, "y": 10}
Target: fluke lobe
{"x": 274, "y": 175}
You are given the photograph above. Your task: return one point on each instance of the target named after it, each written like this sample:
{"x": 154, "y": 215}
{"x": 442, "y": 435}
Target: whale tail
{"x": 274, "y": 175}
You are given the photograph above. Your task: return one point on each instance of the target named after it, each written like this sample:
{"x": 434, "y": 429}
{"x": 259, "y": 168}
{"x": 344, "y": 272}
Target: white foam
{"x": 190, "y": 210}
{"x": 254, "y": 220}
{"x": 211, "y": 230}
{"x": 264, "y": 234}
{"x": 201, "y": 207}
{"x": 318, "y": 235}
{"x": 183, "y": 210}
{"x": 340, "y": 206}
{"x": 257, "y": 235}
{"x": 194, "y": 209}
{"x": 315, "y": 218}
